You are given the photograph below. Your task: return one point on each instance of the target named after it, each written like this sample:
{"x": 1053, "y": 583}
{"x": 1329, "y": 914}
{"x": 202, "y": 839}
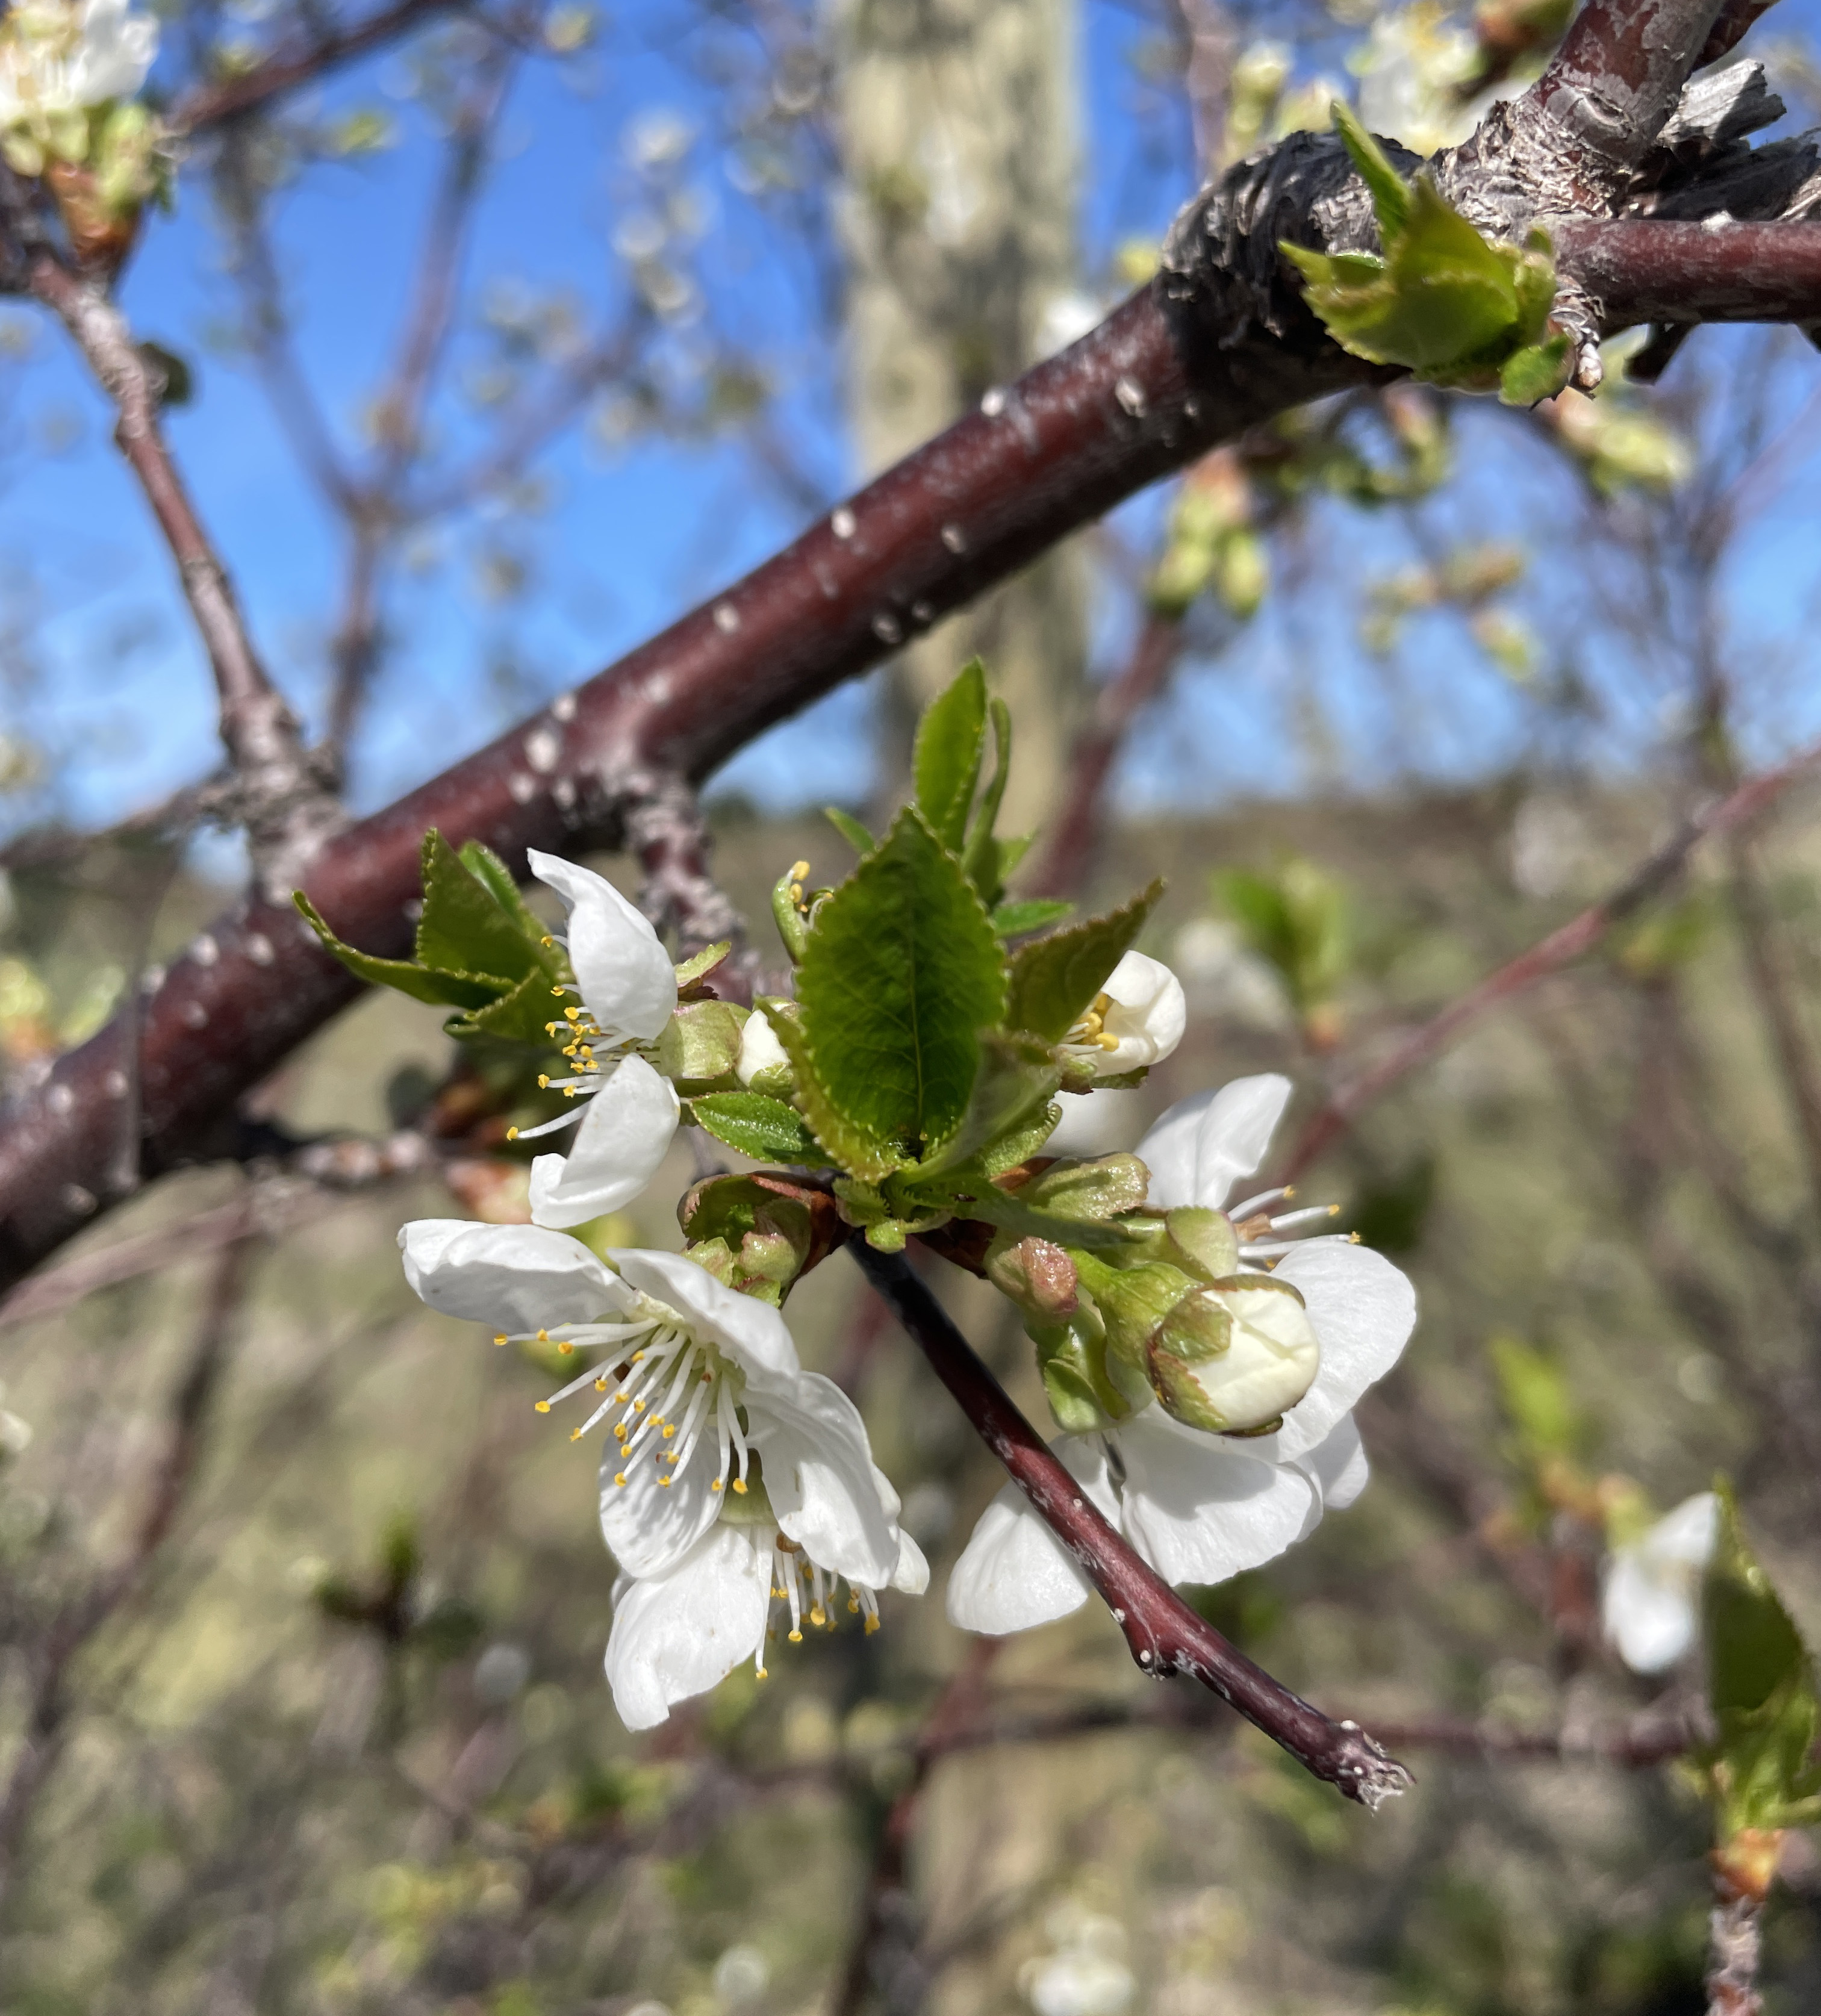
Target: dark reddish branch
{"x": 1165, "y": 1637}
{"x": 211, "y": 104}
{"x": 1560, "y": 949}
{"x": 1064, "y": 869}
{"x": 1146, "y": 392}
{"x": 1613, "y": 82}
{"x": 1640, "y": 270}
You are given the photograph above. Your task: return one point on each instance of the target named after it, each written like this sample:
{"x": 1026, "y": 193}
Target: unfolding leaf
{"x": 849, "y": 828}
{"x": 1017, "y": 1078}
{"x": 987, "y": 859}
{"x": 463, "y": 928}
{"x": 523, "y": 1015}
{"x": 945, "y": 762}
{"x": 900, "y": 976}
{"x": 1013, "y": 919}
{"x": 1054, "y": 979}
{"x": 848, "y": 1144}
{"x": 448, "y": 990}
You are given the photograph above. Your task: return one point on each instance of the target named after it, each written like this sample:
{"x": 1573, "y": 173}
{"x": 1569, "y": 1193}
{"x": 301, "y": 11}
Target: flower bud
{"x": 762, "y": 1063}
{"x": 1233, "y": 1358}
{"x": 1144, "y": 1020}
{"x": 1039, "y": 1277}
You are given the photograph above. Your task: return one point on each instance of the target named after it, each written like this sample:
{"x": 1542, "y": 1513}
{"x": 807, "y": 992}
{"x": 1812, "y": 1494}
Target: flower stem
{"x": 1164, "y": 1635}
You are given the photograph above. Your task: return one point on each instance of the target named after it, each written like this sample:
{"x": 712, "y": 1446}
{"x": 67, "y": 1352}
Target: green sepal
{"x": 945, "y": 759}
{"x": 849, "y": 828}
{"x": 901, "y": 973}
{"x": 847, "y": 1144}
{"x": 1053, "y": 979}
{"x": 1071, "y": 1360}
{"x": 1132, "y": 1301}
{"x": 1029, "y": 913}
{"x": 705, "y": 961}
{"x": 766, "y": 1129}
{"x": 447, "y": 990}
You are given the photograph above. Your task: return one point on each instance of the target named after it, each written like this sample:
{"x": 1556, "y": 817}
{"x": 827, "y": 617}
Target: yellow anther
{"x": 512, "y": 1133}
{"x": 1289, "y": 1192}
{"x": 818, "y": 1617}
{"x": 639, "y": 1406}
{"x": 853, "y": 1604}
{"x": 500, "y": 1338}
{"x": 740, "y": 1486}
{"x": 637, "y": 1356}
{"x": 663, "y": 1484}
{"x": 564, "y": 1346}
{"x": 575, "y": 1435}
{"x": 619, "y": 1477}
{"x": 1105, "y": 1042}
{"x": 715, "y": 1485}
{"x": 570, "y": 1014}
{"x": 543, "y": 1406}
{"x": 546, "y": 941}
{"x": 759, "y": 1673}
{"x": 1353, "y": 1239}
{"x": 543, "y": 1080}
{"x": 872, "y": 1625}
{"x": 543, "y": 1337}
{"x": 670, "y": 1430}
{"x": 562, "y": 990}
{"x": 600, "y": 1385}
{"x": 798, "y": 870}
{"x": 797, "y": 1637}
{"x": 621, "y": 1431}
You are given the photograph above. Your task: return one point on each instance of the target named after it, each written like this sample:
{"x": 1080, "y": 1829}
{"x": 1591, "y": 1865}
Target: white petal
{"x": 819, "y": 1476}
{"x": 650, "y": 1526}
{"x": 1687, "y": 1536}
{"x": 1014, "y": 1573}
{"x": 1364, "y": 1311}
{"x": 912, "y": 1576}
{"x": 1200, "y": 1508}
{"x": 624, "y": 974}
{"x": 514, "y": 1277}
{"x": 1147, "y": 1015}
{"x": 682, "y": 1633}
{"x": 623, "y": 1137}
{"x": 759, "y": 1050}
{"x": 750, "y": 1332}
{"x": 1338, "y": 1465}
{"x": 1650, "y": 1617}
{"x": 1202, "y": 1146}
{"x": 1097, "y": 1122}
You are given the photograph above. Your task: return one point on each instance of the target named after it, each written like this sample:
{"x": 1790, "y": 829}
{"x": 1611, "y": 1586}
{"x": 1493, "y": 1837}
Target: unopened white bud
{"x": 1145, "y": 1015}
{"x": 1233, "y": 1357}
{"x": 759, "y": 1050}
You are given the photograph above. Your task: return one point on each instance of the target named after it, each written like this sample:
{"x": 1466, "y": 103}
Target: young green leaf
{"x": 849, "y": 828}
{"x": 705, "y": 961}
{"x": 1012, "y": 920}
{"x": 1390, "y": 194}
{"x": 945, "y": 761}
{"x": 1016, "y": 1079}
{"x": 520, "y": 1016}
{"x": 766, "y": 1129}
{"x": 1054, "y": 979}
{"x": 486, "y": 866}
{"x": 448, "y": 990}
{"x": 984, "y": 856}
{"x": 899, "y": 976}
{"x": 849, "y": 1145}
{"x": 463, "y": 929}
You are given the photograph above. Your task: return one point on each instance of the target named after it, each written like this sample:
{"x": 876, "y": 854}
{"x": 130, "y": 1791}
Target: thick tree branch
{"x": 1614, "y": 82}
{"x": 1561, "y": 948}
{"x": 300, "y": 63}
{"x": 286, "y": 809}
{"x": 1646, "y": 270}
{"x": 1164, "y": 1635}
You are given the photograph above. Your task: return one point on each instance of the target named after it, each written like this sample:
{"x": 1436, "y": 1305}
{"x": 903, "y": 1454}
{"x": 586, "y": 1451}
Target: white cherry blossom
{"x": 722, "y": 1451}
{"x": 628, "y": 991}
{"x": 1650, "y": 1608}
{"x": 1136, "y": 1020}
{"x": 59, "y": 58}
{"x": 1201, "y": 1507}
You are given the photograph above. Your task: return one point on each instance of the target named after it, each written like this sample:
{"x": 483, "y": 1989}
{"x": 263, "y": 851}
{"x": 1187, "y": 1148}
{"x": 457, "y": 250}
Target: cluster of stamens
{"x": 664, "y": 1399}
{"x": 1260, "y": 1232}
{"x": 584, "y": 1036}
{"x": 1089, "y": 1033}
{"x": 791, "y": 1569}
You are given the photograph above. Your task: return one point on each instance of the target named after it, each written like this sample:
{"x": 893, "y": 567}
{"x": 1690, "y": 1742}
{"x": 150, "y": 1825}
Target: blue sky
{"x": 105, "y": 673}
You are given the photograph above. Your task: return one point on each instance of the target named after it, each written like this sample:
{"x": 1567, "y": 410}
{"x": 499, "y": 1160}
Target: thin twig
{"x": 287, "y": 811}
{"x": 1560, "y": 949}
{"x": 1165, "y": 1637}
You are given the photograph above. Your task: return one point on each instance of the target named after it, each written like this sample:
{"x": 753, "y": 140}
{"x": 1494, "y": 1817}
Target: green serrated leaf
{"x": 945, "y": 761}
{"x": 523, "y": 1015}
{"x": 1390, "y": 197}
{"x": 445, "y": 990}
{"x": 1016, "y": 1080}
{"x": 901, "y": 974}
{"x": 1538, "y": 371}
{"x": 1054, "y": 979}
{"x": 984, "y": 858}
{"x": 849, "y": 828}
{"x": 1753, "y": 1644}
{"x": 463, "y": 929}
{"x": 1010, "y": 920}
{"x": 486, "y": 866}
{"x": 766, "y": 1129}
{"x": 849, "y": 1145}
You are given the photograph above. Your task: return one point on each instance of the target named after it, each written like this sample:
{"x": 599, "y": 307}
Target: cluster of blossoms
{"x": 69, "y": 73}
{"x": 738, "y": 1492}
